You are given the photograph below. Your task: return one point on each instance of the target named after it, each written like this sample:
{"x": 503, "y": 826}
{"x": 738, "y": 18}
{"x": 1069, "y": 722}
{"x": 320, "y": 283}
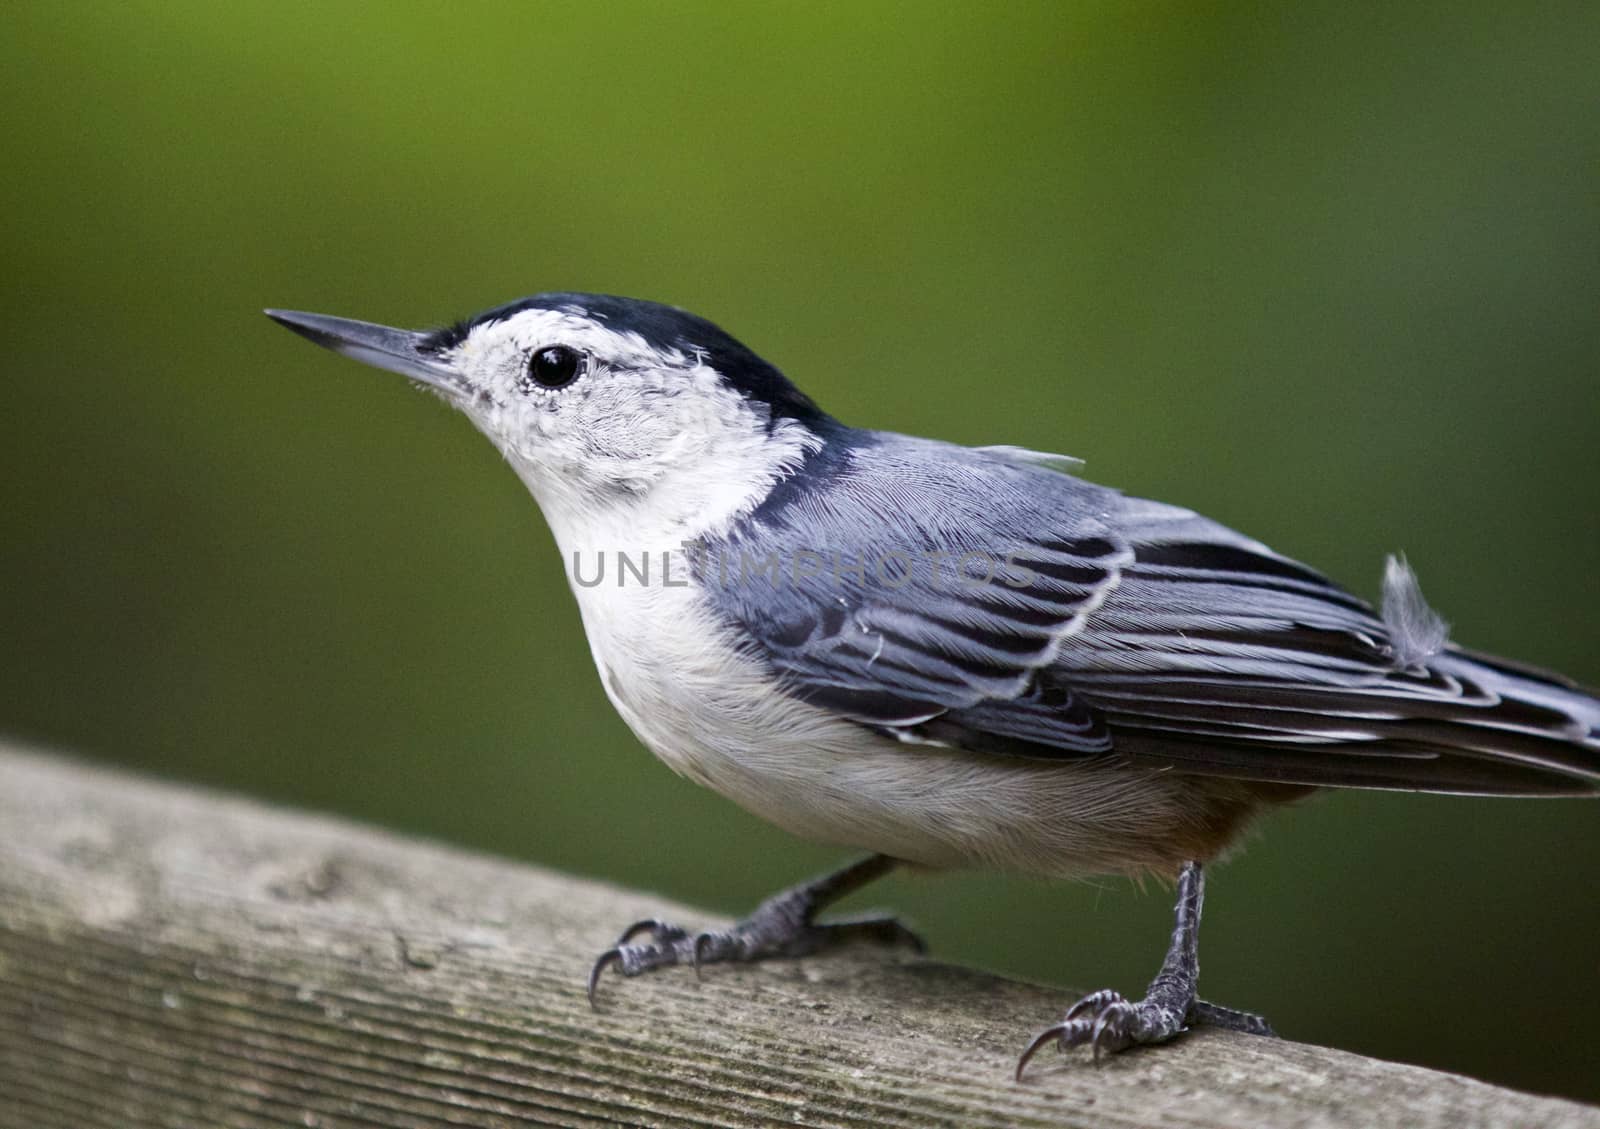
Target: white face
{"x": 613, "y": 435}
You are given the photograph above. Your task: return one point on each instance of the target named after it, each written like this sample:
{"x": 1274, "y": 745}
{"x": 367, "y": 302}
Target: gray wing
{"x": 1144, "y": 632}
{"x": 880, "y": 587}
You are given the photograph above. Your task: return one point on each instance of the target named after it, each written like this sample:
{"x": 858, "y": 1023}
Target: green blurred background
{"x": 1330, "y": 273}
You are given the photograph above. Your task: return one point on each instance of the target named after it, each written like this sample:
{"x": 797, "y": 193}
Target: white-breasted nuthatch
{"x": 952, "y": 656}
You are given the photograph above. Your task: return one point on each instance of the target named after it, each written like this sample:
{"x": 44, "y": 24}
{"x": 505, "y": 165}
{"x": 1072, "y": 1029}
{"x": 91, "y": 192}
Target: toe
{"x": 1113, "y": 1029}
{"x": 1095, "y": 1003}
{"x": 660, "y": 931}
{"x": 1104, "y": 1021}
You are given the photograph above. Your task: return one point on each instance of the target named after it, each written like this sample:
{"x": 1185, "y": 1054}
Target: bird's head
{"x": 618, "y": 413}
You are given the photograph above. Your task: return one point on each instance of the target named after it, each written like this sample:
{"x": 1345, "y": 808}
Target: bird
{"x": 949, "y": 656}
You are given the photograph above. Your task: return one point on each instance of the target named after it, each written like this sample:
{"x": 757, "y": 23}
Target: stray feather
{"x": 1416, "y": 631}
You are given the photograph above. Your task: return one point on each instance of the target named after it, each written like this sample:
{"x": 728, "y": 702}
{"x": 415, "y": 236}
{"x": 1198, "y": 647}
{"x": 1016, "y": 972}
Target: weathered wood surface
{"x": 174, "y": 957}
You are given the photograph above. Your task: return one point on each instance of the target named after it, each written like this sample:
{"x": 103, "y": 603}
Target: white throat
{"x": 702, "y": 493}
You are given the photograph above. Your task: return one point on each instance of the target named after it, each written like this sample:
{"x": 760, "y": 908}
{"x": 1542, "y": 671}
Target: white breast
{"x": 713, "y": 715}
{"x": 682, "y": 686}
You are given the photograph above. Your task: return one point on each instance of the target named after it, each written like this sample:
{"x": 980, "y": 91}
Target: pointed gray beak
{"x": 398, "y": 350}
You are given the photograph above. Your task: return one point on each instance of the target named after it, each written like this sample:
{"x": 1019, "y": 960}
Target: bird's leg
{"x": 1110, "y": 1023}
{"x": 781, "y": 926}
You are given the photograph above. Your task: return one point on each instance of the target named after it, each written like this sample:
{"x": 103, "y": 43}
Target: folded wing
{"x": 985, "y": 602}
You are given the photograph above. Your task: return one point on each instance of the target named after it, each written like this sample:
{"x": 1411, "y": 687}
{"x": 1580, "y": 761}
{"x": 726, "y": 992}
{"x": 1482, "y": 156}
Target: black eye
{"x": 555, "y": 366}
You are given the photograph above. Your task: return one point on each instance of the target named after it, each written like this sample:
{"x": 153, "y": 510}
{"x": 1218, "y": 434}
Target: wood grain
{"x": 171, "y": 957}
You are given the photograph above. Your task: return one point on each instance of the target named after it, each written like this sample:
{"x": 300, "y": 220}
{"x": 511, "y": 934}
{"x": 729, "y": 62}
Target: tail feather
{"x": 1569, "y": 741}
{"x": 1200, "y": 664}
{"x": 1485, "y": 731}
{"x": 1396, "y": 768}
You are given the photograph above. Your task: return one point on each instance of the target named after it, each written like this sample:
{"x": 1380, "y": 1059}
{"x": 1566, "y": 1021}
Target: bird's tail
{"x": 1523, "y": 716}
{"x": 1286, "y": 679}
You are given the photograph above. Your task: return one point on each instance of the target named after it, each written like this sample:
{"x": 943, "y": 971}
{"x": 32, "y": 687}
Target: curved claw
{"x": 1102, "y": 1024}
{"x": 1094, "y": 1020}
{"x": 609, "y": 957}
{"x": 1055, "y": 1030}
{"x": 643, "y": 925}
{"x": 1094, "y": 1001}
{"x": 700, "y": 940}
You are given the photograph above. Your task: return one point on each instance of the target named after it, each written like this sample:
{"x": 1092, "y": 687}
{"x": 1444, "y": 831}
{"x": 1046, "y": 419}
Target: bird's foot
{"x": 1107, "y": 1022}
{"x": 781, "y": 926}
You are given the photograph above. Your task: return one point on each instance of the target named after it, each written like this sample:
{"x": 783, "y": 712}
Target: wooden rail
{"x": 174, "y": 957}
